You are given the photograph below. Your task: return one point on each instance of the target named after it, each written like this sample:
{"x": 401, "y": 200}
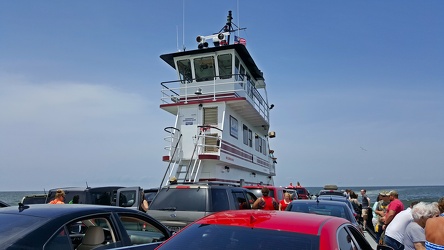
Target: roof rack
{"x": 212, "y": 183}
{"x": 330, "y": 187}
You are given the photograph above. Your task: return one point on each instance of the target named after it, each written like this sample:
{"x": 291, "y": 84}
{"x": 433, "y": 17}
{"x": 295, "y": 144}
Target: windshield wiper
{"x": 169, "y": 208}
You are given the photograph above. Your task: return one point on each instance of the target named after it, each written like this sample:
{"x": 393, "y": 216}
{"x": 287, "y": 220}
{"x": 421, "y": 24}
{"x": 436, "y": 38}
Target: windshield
{"x": 189, "y": 199}
{"x": 258, "y": 192}
{"x": 15, "y": 226}
{"x": 209, "y": 237}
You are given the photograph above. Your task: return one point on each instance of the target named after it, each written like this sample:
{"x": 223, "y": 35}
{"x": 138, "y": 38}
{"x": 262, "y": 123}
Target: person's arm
{"x": 419, "y": 245}
{"x": 256, "y": 203}
{"x": 145, "y": 205}
{"x": 388, "y": 218}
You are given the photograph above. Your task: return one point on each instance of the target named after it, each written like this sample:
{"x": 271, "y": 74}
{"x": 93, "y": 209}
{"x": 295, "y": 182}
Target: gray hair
{"x": 424, "y": 210}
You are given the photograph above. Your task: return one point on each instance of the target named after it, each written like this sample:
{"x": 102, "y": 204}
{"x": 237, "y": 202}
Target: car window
{"x": 101, "y": 198}
{"x": 211, "y": 236}
{"x": 141, "y": 231}
{"x": 251, "y": 198}
{"x": 280, "y": 195}
{"x": 242, "y": 201}
{"x": 219, "y": 200}
{"x": 359, "y": 239}
{"x": 345, "y": 240}
{"x": 127, "y": 198}
{"x": 256, "y": 192}
{"x": 60, "y": 240}
{"x": 186, "y": 199}
{"x": 77, "y": 229}
{"x": 13, "y": 226}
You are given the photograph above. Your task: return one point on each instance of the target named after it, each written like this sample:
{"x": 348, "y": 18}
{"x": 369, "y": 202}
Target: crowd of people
{"x": 420, "y": 226}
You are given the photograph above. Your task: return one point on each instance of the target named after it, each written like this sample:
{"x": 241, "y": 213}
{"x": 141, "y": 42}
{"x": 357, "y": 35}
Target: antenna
{"x": 238, "y": 19}
{"x": 183, "y": 25}
{"x": 87, "y": 184}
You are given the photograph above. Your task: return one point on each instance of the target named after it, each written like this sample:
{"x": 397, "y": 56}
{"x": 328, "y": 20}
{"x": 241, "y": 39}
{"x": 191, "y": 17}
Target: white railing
{"x": 183, "y": 92}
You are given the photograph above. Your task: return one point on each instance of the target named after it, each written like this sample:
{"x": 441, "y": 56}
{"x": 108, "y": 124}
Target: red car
{"x": 276, "y": 192}
{"x": 303, "y": 193}
{"x": 261, "y": 229}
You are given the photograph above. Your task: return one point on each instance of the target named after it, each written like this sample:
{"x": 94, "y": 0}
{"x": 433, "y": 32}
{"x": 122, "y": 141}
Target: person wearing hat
{"x": 173, "y": 180}
{"x": 380, "y": 209}
{"x": 59, "y": 197}
{"x": 395, "y": 207}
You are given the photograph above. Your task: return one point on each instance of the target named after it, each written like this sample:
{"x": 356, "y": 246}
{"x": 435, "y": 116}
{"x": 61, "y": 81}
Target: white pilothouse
{"x": 221, "y": 132}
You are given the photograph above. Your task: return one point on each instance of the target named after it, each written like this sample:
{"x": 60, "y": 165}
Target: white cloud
{"x": 65, "y": 133}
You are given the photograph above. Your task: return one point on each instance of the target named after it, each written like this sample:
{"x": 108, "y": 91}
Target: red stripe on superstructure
{"x": 209, "y": 157}
{"x": 235, "y": 151}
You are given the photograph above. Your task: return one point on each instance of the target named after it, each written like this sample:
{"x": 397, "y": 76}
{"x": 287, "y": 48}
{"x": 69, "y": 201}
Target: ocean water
{"x": 407, "y": 194}
{"x": 14, "y": 197}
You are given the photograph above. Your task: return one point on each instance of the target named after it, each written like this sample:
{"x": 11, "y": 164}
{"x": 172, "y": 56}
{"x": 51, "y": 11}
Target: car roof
{"x": 261, "y": 186}
{"x": 84, "y": 188}
{"x": 321, "y": 201}
{"x": 276, "y": 220}
{"x": 332, "y": 197}
{"x": 51, "y": 210}
{"x": 201, "y": 185}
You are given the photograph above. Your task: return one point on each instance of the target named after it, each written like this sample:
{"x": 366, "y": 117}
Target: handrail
{"x": 181, "y": 93}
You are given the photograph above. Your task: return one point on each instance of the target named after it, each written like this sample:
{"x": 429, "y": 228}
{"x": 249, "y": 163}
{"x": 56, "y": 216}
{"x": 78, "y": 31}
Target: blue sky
{"x": 80, "y": 88}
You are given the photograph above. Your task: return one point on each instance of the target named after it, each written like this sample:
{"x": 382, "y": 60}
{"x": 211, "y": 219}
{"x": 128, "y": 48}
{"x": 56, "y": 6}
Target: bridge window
{"x": 225, "y": 66}
{"x": 184, "y": 67}
{"x": 204, "y": 68}
{"x": 247, "y": 136}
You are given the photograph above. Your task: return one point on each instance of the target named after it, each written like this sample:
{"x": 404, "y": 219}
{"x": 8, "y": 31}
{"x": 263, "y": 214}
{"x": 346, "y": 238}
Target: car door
{"x": 129, "y": 197}
{"x": 142, "y": 229}
{"x": 76, "y": 232}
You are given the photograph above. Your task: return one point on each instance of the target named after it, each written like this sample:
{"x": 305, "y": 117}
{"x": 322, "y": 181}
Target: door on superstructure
{"x": 211, "y": 139}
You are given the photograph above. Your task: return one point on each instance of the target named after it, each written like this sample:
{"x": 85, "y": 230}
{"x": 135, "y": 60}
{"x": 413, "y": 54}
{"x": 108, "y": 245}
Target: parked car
{"x": 181, "y": 204}
{"x": 34, "y": 199}
{"x": 302, "y": 192}
{"x": 276, "y": 192}
{"x": 324, "y": 207}
{"x": 341, "y": 199}
{"x": 3, "y": 204}
{"x": 88, "y": 195}
{"x": 331, "y": 190}
{"x": 71, "y": 226}
{"x": 261, "y": 229}
{"x": 293, "y": 193}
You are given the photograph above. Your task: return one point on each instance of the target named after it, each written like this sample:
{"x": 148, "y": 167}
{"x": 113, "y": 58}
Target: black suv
{"x": 89, "y": 195}
{"x": 176, "y": 206}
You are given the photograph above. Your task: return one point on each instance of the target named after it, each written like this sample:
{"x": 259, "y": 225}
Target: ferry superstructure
{"x": 222, "y": 127}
